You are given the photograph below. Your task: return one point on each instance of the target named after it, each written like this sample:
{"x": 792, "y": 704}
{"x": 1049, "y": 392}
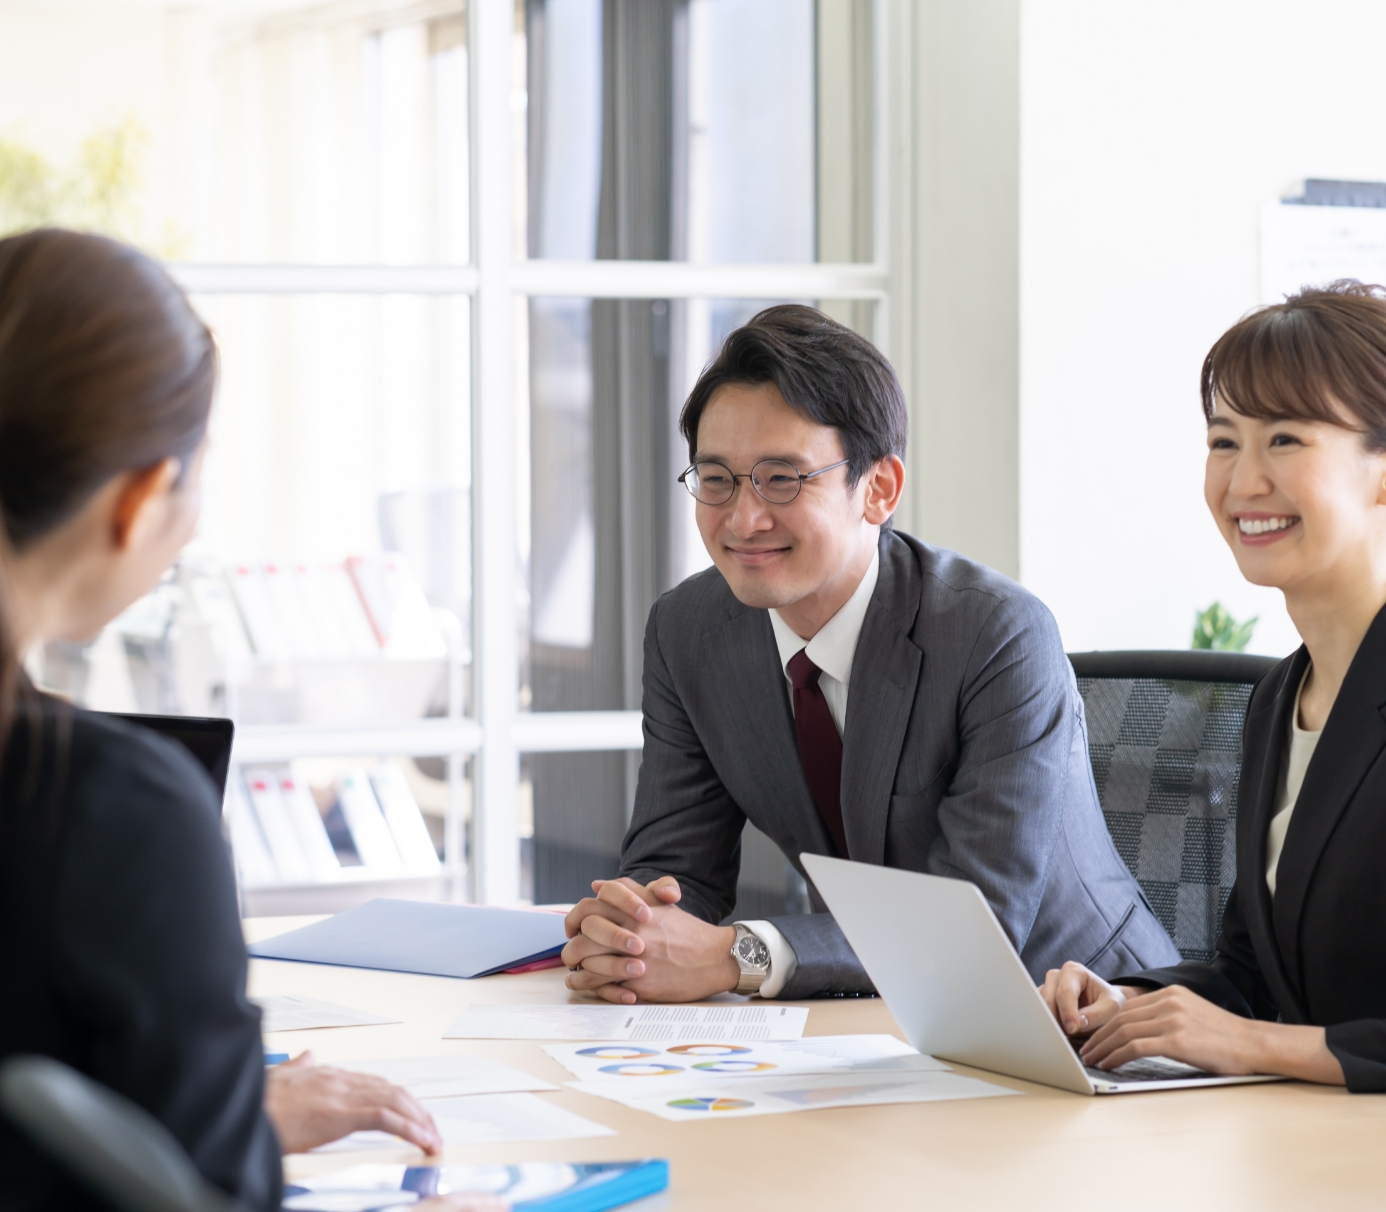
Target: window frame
{"x": 498, "y": 731}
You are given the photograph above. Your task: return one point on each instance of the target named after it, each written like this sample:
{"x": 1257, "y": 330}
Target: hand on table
{"x": 630, "y": 941}
{"x": 311, "y": 1104}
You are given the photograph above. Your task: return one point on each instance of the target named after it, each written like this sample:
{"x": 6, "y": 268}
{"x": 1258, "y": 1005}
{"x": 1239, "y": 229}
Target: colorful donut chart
{"x": 710, "y": 1104}
{"x": 618, "y": 1052}
{"x": 708, "y": 1049}
{"x": 730, "y": 1064}
{"x": 641, "y": 1069}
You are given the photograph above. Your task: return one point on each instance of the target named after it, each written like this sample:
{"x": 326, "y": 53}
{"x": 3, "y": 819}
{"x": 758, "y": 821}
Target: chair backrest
{"x": 1165, "y": 741}
{"x": 114, "y": 1148}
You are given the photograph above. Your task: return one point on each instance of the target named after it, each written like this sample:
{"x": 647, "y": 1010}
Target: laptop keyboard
{"x": 1155, "y": 1069}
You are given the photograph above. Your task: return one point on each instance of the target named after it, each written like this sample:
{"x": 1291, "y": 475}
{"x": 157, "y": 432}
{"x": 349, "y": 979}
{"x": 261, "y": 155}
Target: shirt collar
{"x": 833, "y": 648}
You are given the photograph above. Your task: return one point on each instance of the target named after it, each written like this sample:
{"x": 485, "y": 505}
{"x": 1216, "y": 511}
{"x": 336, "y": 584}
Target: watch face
{"x": 751, "y": 950}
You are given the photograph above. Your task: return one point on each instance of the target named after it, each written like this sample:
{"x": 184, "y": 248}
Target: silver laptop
{"x": 956, "y": 986}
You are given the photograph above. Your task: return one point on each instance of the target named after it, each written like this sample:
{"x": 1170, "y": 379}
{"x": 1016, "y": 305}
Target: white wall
{"x": 1150, "y": 136}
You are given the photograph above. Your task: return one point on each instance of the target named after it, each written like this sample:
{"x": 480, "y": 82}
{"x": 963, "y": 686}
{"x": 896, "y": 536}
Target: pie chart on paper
{"x": 617, "y": 1053}
{"x": 641, "y": 1069}
{"x": 710, "y": 1104}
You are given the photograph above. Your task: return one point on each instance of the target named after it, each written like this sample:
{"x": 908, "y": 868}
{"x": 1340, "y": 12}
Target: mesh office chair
{"x": 114, "y": 1148}
{"x": 1165, "y": 739}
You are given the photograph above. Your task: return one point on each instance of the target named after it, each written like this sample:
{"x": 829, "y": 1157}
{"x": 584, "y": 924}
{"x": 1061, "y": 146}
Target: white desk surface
{"x": 1290, "y": 1146}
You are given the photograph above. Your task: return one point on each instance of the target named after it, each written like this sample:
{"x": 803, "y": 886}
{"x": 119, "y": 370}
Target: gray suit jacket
{"x": 965, "y": 755}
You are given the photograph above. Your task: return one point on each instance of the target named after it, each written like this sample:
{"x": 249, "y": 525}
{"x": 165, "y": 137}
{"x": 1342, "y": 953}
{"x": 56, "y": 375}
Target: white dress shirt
{"x": 832, "y": 650}
{"x": 1302, "y": 746}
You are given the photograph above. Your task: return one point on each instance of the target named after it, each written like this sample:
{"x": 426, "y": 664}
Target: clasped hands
{"x": 630, "y": 941}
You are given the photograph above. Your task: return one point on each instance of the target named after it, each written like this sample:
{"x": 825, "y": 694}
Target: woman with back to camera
{"x": 121, "y": 952}
{"x": 1295, "y": 398}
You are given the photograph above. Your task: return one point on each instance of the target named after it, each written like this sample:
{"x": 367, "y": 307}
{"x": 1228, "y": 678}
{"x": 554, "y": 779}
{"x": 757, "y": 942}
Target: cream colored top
{"x": 1302, "y": 746}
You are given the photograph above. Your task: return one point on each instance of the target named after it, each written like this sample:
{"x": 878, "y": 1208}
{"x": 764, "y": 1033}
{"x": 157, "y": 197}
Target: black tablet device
{"x": 206, "y": 738}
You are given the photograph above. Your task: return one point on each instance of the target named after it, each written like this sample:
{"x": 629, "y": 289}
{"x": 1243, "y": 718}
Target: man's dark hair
{"x": 823, "y": 369}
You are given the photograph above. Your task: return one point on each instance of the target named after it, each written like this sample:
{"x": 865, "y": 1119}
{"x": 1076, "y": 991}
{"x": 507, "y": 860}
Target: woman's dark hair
{"x": 823, "y": 369}
{"x": 1318, "y": 356}
{"x": 104, "y": 369}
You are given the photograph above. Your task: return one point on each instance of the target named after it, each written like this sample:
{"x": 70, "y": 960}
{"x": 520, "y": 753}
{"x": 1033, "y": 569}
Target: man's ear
{"x": 134, "y": 504}
{"x": 885, "y": 485}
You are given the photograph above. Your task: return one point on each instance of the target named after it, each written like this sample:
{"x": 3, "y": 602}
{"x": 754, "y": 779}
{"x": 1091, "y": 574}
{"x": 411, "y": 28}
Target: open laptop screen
{"x": 207, "y": 739}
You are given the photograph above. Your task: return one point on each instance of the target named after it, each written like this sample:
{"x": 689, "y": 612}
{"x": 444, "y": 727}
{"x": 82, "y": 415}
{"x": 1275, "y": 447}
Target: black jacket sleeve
{"x": 150, "y": 966}
{"x": 1232, "y": 979}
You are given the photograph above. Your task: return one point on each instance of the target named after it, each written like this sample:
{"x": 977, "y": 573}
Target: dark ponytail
{"x": 104, "y": 368}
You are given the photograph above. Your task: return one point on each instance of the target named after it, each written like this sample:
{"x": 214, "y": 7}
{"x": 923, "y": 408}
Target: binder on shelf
{"x": 336, "y": 613}
{"x": 286, "y": 597}
{"x": 369, "y": 832}
{"x": 289, "y": 860}
{"x": 267, "y": 635}
{"x": 252, "y": 856}
{"x": 407, "y": 825}
{"x": 397, "y": 607}
{"x": 306, "y": 820}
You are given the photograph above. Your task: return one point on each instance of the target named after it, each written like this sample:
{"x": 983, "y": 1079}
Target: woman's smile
{"x": 1263, "y": 529}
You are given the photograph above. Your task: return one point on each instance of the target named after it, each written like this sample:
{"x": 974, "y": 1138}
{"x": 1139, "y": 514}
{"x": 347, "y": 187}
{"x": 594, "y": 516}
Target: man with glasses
{"x": 852, "y": 692}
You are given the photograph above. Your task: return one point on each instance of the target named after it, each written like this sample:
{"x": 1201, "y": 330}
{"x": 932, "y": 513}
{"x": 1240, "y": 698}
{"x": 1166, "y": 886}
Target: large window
{"x": 464, "y": 264}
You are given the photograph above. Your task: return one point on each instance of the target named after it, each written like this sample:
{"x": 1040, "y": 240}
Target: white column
{"x": 496, "y": 852}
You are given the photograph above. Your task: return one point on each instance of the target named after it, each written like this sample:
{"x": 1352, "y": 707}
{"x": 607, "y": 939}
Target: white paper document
{"x": 698, "y": 1063}
{"x": 678, "y": 1100}
{"x": 674, "y": 1024}
{"x": 289, "y": 1012}
{"x": 484, "y": 1119}
{"x": 449, "y": 1076}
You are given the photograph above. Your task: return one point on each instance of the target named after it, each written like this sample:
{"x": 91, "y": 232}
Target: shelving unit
{"x": 453, "y": 737}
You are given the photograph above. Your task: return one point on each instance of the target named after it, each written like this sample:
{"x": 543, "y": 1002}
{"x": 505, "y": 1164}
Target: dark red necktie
{"x": 820, "y": 748}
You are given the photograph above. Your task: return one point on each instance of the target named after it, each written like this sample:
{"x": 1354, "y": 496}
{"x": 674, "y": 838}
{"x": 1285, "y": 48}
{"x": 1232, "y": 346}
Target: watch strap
{"x": 751, "y": 978}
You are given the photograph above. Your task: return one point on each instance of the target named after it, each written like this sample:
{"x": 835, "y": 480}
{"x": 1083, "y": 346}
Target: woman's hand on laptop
{"x": 310, "y": 1105}
{"x": 1176, "y": 1023}
{"x": 1081, "y": 1000}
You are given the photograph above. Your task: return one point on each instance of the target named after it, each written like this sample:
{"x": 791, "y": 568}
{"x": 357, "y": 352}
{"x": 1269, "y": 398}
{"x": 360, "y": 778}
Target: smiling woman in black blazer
{"x": 1295, "y": 398}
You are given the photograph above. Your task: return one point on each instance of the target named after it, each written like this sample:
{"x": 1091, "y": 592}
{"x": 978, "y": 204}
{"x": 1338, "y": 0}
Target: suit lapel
{"x": 1352, "y": 741}
{"x": 885, "y": 672}
{"x": 755, "y": 711}
{"x": 1260, "y": 781}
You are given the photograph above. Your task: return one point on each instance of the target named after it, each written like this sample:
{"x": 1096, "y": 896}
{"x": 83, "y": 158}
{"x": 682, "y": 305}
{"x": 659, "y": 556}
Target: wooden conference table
{"x": 1262, "y": 1146}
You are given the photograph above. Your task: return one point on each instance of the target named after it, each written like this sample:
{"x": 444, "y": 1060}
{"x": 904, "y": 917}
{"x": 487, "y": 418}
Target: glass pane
{"x": 702, "y": 130}
{"x": 605, "y": 526}
{"x": 573, "y": 817}
{"x": 605, "y": 530}
{"x": 330, "y": 582}
{"x": 296, "y": 131}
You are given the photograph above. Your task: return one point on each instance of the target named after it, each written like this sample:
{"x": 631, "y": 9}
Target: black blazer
{"x": 120, "y": 948}
{"x": 1316, "y": 954}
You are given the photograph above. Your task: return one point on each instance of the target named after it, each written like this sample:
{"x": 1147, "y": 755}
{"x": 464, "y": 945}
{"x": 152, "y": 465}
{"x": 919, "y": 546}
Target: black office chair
{"x": 114, "y": 1148}
{"x": 1165, "y": 739}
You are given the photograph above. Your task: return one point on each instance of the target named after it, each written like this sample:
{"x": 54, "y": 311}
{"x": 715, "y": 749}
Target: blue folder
{"x": 423, "y": 937}
{"x": 531, "y": 1186}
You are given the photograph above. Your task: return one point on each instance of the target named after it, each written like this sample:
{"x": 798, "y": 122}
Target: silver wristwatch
{"x": 752, "y": 956}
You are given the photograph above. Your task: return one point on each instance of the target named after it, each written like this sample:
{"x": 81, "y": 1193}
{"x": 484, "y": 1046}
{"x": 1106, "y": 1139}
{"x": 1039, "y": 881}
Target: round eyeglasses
{"x": 773, "y": 479}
